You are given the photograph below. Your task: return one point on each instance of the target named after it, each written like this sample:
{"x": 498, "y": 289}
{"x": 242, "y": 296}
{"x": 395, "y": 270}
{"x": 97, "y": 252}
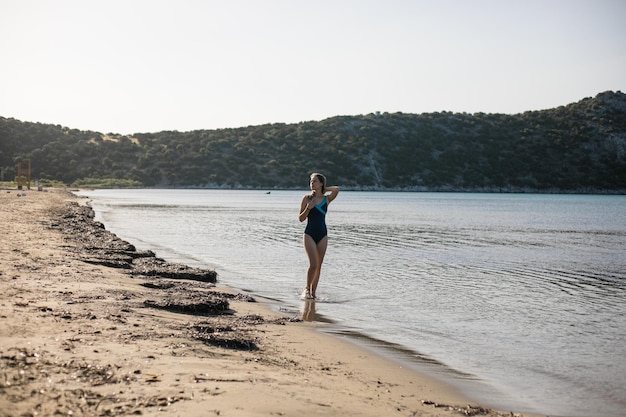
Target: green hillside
{"x": 580, "y": 147}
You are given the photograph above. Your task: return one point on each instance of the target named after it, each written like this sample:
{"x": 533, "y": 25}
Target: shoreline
{"x": 97, "y": 334}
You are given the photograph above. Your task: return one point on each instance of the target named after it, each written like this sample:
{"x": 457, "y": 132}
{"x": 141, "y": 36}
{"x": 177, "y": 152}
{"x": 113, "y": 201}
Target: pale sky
{"x": 131, "y": 66}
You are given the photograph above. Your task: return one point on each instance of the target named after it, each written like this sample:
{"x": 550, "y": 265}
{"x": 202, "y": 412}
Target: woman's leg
{"x": 321, "y": 252}
{"x": 311, "y": 252}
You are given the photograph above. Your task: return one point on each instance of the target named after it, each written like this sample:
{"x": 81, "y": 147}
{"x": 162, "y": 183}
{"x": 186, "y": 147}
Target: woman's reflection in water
{"x": 308, "y": 311}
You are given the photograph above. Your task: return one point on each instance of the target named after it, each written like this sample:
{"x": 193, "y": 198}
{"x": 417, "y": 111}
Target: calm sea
{"x": 520, "y": 300}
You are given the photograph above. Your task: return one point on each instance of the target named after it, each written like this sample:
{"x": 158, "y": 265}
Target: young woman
{"x": 313, "y": 208}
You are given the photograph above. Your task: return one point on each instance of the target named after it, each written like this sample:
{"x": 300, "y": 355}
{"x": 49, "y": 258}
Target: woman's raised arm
{"x": 334, "y": 190}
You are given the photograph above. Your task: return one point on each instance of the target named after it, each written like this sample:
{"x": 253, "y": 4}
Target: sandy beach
{"x": 92, "y": 327}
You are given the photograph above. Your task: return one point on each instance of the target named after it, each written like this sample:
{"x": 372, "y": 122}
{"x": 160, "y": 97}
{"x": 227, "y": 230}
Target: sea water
{"x": 519, "y": 300}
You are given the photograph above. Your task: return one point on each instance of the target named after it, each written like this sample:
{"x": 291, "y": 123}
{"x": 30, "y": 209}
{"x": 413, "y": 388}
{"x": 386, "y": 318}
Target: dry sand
{"x": 85, "y": 331}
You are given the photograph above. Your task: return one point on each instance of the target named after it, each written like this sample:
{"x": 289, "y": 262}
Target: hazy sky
{"x": 129, "y": 66}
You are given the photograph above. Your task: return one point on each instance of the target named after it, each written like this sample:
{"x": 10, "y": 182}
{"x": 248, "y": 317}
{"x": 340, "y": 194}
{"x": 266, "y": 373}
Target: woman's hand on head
{"x": 334, "y": 190}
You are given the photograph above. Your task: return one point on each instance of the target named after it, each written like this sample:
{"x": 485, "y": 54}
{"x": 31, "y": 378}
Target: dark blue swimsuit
{"x": 316, "y": 222}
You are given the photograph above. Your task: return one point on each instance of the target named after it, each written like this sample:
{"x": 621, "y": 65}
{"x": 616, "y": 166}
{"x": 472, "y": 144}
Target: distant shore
{"x": 91, "y": 326}
{"x": 443, "y": 189}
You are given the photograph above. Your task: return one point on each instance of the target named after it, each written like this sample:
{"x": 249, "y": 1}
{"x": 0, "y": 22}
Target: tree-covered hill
{"x": 580, "y": 147}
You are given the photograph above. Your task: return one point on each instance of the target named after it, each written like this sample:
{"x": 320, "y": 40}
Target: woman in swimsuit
{"x": 313, "y": 208}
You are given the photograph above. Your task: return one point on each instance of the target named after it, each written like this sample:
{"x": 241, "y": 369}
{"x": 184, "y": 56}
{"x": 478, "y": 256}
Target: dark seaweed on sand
{"x": 208, "y": 306}
{"x": 177, "y": 288}
{"x": 96, "y": 245}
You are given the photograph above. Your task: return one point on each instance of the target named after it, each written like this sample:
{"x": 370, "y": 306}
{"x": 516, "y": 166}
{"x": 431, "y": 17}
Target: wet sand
{"x": 89, "y": 326}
